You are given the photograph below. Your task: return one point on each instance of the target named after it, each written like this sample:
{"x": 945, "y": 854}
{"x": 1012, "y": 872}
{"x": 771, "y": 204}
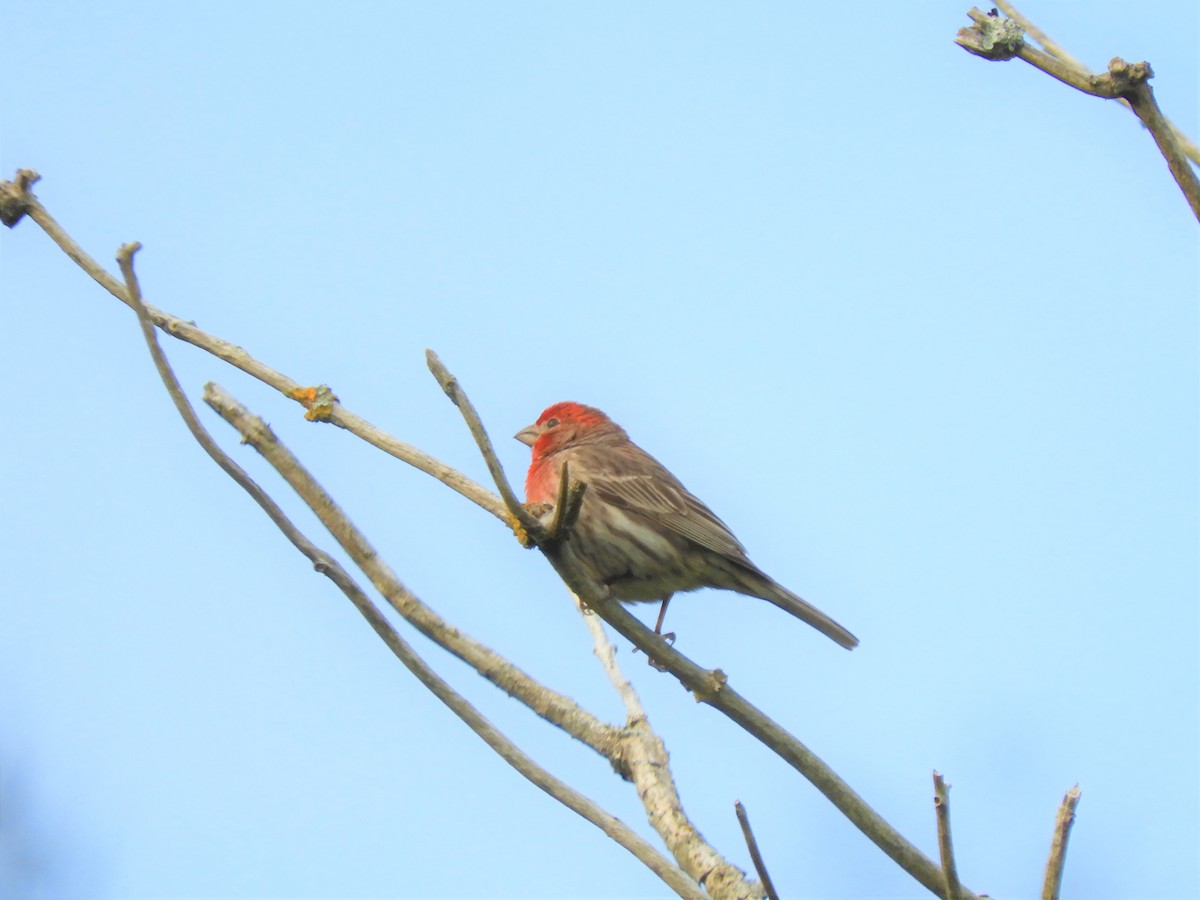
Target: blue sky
{"x": 922, "y": 329}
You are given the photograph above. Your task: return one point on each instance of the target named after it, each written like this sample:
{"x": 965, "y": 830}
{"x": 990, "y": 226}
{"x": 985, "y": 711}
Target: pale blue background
{"x": 921, "y": 328}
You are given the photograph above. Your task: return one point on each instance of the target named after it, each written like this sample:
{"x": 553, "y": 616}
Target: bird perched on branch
{"x": 640, "y": 532}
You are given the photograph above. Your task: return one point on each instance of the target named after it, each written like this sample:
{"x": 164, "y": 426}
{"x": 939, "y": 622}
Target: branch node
{"x": 15, "y": 196}
{"x": 713, "y": 683}
{"x": 125, "y": 254}
{"x": 1129, "y": 75}
{"x": 992, "y": 36}
{"x": 319, "y": 401}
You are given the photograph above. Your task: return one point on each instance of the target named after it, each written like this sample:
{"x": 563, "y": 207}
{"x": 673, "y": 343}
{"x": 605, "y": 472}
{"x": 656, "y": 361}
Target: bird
{"x": 640, "y": 532}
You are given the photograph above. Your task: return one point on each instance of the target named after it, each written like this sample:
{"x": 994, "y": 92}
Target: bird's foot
{"x": 669, "y": 638}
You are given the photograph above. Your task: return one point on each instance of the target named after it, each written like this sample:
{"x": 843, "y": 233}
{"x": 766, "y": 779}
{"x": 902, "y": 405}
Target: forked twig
{"x": 998, "y": 38}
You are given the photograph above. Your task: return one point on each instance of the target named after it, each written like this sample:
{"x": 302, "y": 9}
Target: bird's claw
{"x": 669, "y": 640}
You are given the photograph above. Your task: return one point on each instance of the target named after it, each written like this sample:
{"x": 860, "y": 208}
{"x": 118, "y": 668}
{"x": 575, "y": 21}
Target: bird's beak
{"x": 528, "y": 435}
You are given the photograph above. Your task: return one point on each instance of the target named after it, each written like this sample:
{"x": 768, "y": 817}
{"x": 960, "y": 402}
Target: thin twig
{"x": 711, "y": 687}
{"x": 759, "y": 866}
{"x": 567, "y": 505}
{"x": 321, "y": 561}
{"x": 643, "y": 759}
{"x": 606, "y": 652}
{"x": 941, "y": 806}
{"x": 450, "y": 386}
{"x": 530, "y": 529}
{"x": 256, "y": 433}
{"x": 1058, "y": 845}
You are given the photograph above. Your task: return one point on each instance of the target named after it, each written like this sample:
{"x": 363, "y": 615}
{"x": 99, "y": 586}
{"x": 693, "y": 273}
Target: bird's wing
{"x": 657, "y": 494}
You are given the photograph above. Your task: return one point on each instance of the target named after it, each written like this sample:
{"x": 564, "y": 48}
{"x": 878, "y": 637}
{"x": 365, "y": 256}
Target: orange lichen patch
{"x": 519, "y": 531}
{"x": 317, "y": 400}
{"x": 538, "y": 511}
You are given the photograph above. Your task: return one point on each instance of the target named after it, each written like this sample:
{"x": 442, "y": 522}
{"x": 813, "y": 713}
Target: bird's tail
{"x": 776, "y": 593}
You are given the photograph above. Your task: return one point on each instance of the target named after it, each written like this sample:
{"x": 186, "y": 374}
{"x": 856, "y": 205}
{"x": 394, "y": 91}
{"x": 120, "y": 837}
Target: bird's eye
{"x": 552, "y": 423}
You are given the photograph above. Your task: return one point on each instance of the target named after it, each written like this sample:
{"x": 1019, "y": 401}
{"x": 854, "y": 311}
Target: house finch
{"x": 640, "y": 532}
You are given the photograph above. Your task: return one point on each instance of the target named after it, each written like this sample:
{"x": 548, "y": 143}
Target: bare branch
{"x": 256, "y": 433}
{"x": 16, "y": 199}
{"x": 1141, "y": 98}
{"x": 1058, "y": 846}
{"x": 997, "y": 38}
{"x": 708, "y": 686}
{"x": 712, "y": 688}
{"x": 418, "y": 459}
{"x": 722, "y": 879}
{"x": 752, "y": 845}
{"x": 556, "y": 708}
{"x": 559, "y": 710}
{"x": 1189, "y": 147}
{"x": 941, "y": 806}
{"x": 321, "y": 561}
{"x": 643, "y": 755}
{"x": 328, "y": 566}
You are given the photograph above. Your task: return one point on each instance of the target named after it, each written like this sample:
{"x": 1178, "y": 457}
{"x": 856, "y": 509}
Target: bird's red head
{"x": 565, "y": 425}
